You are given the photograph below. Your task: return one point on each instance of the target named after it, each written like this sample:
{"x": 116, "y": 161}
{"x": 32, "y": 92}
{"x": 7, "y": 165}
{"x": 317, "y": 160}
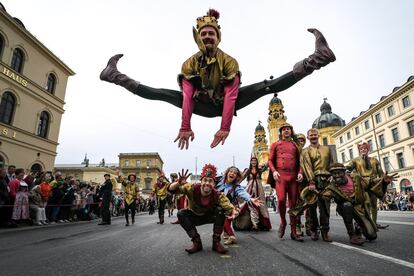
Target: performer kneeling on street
{"x": 205, "y": 205}
{"x": 230, "y": 186}
{"x": 351, "y": 199}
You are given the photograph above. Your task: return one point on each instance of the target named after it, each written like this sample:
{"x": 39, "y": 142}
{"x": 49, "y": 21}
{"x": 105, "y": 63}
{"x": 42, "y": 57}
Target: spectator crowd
{"x": 397, "y": 201}
{"x": 41, "y": 198}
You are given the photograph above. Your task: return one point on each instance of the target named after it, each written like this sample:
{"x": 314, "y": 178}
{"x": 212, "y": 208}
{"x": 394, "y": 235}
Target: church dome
{"x": 327, "y": 118}
{"x": 259, "y": 127}
{"x": 275, "y": 100}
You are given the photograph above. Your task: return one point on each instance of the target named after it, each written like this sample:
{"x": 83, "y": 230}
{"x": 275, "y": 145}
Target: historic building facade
{"x": 93, "y": 174}
{"x": 32, "y": 96}
{"x": 388, "y": 126}
{"x": 147, "y": 166}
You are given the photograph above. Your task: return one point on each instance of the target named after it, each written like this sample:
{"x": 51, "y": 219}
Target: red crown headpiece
{"x": 209, "y": 170}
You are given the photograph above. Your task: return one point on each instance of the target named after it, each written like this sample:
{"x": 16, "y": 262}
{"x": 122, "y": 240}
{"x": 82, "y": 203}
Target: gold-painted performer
{"x": 315, "y": 161}
{"x": 159, "y": 190}
{"x": 370, "y": 170}
{"x": 131, "y": 191}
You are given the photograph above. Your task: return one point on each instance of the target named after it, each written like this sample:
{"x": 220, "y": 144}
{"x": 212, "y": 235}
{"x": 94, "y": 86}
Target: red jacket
{"x": 284, "y": 157}
{"x": 14, "y": 186}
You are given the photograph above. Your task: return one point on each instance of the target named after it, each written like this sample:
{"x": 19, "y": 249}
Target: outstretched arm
{"x": 231, "y": 91}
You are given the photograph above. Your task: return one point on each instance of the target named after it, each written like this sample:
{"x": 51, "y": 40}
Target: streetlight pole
{"x": 196, "y": 166}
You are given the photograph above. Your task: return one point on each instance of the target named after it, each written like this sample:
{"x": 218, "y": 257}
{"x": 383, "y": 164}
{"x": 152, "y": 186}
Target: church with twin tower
{"x": 327, "y": 124}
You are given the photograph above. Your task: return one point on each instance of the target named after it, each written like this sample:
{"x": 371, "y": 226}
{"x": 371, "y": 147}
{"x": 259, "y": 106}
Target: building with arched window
{"x": 32, "y": 95}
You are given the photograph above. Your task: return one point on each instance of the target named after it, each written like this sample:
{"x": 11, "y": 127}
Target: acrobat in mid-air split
{"x": 210, "y": 80}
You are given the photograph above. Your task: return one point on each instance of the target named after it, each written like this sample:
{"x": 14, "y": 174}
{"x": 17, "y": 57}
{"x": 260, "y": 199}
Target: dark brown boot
{"x": 217, "y": 246}
{"x": 293, "y": 234}
{"x": 325, "y": 236}
{"x": 195, "y": 238}
{"x": 322, "y": 56}
{"x": 112, "y": 75}
{"x": 161, "y": 220}
{"x": 354, "y": 239}
{"x": 197, "y": 245}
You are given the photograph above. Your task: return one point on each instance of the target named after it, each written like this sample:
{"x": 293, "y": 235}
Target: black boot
{"x": 322, "y": 56}
{"x": 282, "y": 229}
{"x": 325, "y": 236}
{"x": 314, "y": 234}
{"x": 112, "y": 75}
{"x": 195, "y": 238}
{"x": 217, "y": 246}
{"x": 358, "y": 230}
{"x": 161, "y": 220}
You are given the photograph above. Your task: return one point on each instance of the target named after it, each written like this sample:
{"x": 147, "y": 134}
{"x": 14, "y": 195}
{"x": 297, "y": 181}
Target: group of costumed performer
{"x": 210, "y": 80}
{"x": 352, "y": 193}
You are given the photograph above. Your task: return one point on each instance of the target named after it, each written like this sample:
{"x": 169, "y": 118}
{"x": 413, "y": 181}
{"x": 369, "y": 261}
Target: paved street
{"x": 150, "y": 249}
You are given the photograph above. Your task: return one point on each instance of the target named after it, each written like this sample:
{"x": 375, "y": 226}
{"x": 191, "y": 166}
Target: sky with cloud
{"x": 372, "y": 41}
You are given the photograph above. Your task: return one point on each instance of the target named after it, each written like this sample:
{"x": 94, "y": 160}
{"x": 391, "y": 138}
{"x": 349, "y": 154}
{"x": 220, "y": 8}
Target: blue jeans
{"x": 54, "y": 213}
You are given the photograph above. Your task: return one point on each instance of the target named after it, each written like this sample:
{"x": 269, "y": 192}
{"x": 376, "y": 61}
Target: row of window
{"x": 17, "y": 63}
{"x": 395, "y": 134}
{"x": 381, "y": 140}
{"x": 7, "y": 111}
{"x": 138, "y": 163}
{"x": 378, "y": 119}
{"x": 385, "y": 160}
